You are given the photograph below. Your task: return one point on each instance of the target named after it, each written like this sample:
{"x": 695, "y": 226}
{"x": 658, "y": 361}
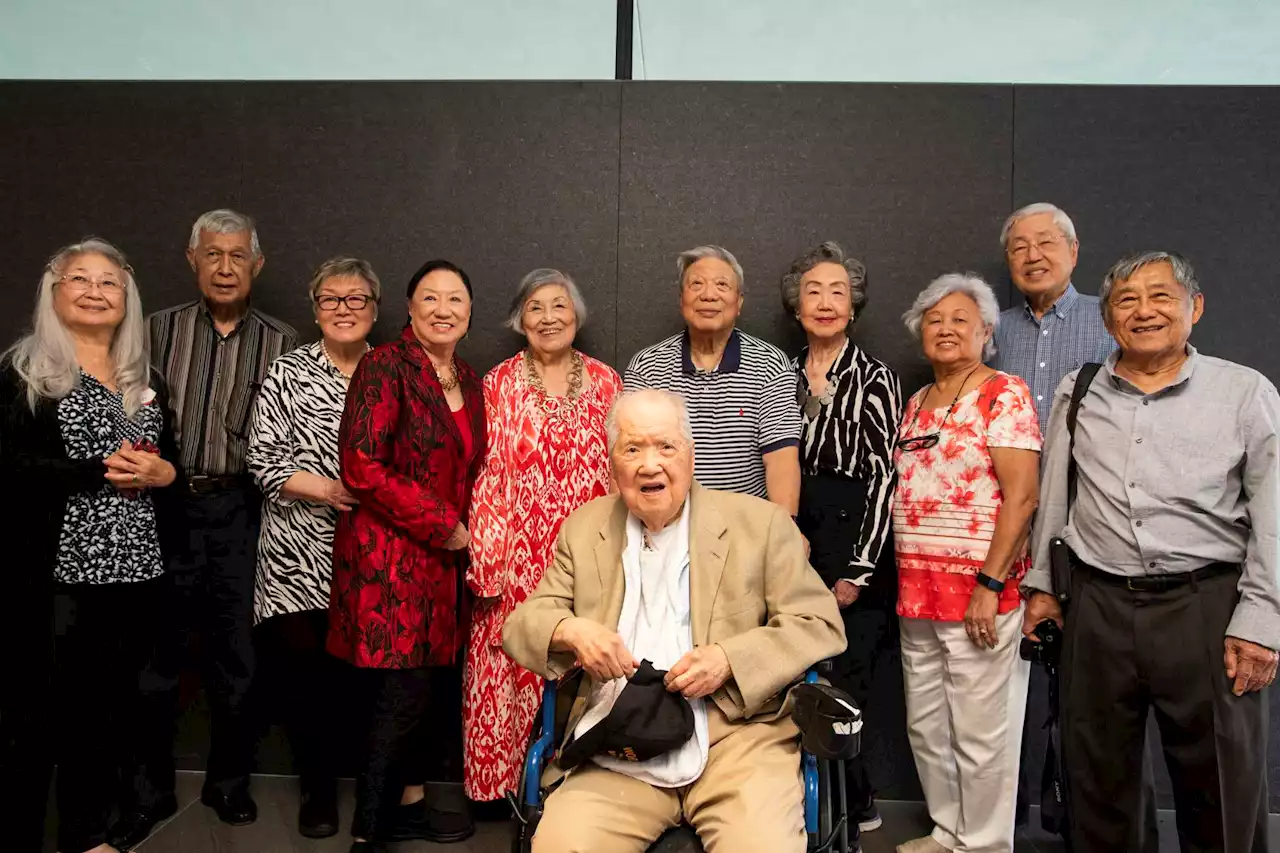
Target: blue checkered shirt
{"x": 1043, "y": 351}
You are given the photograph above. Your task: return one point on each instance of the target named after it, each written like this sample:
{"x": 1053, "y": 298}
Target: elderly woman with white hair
{"x": 547, "y": 456}
{"x": 967, "y": 459}
{"x": 86, "y": 443}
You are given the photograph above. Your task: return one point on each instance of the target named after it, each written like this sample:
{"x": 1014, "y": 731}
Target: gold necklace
{"x": 450, "y": 382}
{"x": 550, "y": 403}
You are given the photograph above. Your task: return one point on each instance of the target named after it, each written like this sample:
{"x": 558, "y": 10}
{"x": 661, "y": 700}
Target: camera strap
{"x": 1083, "y": 380}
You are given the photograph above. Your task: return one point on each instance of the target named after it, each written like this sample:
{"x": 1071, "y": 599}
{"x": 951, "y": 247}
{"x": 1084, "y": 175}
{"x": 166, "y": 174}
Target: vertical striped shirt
{"x": 853, "y": 435}
{"x": 213, "y": 380}
{"x": 1042, "y": 351}
{"x": 740, "y": 411}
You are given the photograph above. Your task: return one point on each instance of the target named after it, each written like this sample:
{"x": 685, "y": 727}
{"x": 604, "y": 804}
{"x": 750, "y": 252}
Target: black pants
{"x": 866, "y": 626}
{"x": 397, "y": 749}
{"x": 114, "y": 722}
{"x": 214, "y": 580}
{"x": 307, "y": 690}
{"x": 1128, "y": 652}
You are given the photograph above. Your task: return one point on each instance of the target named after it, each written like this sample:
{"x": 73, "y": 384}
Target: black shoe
{"x": 491, "y": 811}
{"x": 868, "y": 818}
{"x": 236, "y": 808}
{"x": 418, "y": 822}
{"x": 134, "y": 828}
{"x": 318, "y": 816}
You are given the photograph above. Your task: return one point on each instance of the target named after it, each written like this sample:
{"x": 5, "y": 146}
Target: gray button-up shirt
{"x": 1170, "y": 482}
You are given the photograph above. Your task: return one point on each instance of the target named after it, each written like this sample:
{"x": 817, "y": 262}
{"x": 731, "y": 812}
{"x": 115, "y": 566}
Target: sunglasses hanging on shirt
{"x": 929, "y": 440}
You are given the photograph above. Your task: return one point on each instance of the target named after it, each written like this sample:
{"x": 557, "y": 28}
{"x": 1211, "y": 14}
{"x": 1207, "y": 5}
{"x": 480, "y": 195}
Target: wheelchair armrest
{"x": 541, "y": 749}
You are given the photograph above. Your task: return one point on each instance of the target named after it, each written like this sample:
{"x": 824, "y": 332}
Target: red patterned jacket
{"x": 394, "y": 599}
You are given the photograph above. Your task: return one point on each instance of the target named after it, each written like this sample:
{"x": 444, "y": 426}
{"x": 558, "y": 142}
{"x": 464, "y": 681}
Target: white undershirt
{"x": 655, "y": 625}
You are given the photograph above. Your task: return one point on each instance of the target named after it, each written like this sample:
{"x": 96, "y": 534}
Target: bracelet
{"x": 989, "y": 582}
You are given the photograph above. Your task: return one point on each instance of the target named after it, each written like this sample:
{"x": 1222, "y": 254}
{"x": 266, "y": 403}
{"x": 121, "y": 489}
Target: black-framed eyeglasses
{"x": 354, "y": 302}
{"x": 930, "y": 440}
{"x": 920, "y": 442}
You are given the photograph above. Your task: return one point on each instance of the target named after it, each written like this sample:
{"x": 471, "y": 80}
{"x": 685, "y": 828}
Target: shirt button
{"x": 1045, "y": 332}
{"x": 1146, "y": 402}
{"x": 1138, "y": 523}
{"x": 1042, "y": 364}
{"x": 1039, "y": 397}
{"x": 1151, "y": 565}
{"x": 1132, "y": 484}
{"x": 1139, "y": 441}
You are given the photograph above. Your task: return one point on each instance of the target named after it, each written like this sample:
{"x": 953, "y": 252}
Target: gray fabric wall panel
{"x": 1191, "y": 170}
{"x": 913, "y": 180}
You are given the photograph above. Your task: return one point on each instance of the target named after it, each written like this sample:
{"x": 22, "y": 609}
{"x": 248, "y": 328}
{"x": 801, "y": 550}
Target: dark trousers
{"x": 866, "y": 626}
{"x": 214, "y": 580}
{"x": 307, "y": 690}
{"x": 1126, "y": 653}
{"x": 114, "y": 721}
{"x": 397, "y": 749}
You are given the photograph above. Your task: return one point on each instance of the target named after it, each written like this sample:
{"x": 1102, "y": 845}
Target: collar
{"x": 204, "y": 311}
{"x": 1184, "y": 374}
{"x": 843, "y": 362}
{"x": 1062, "y": 307}
{"x": 729, "y": 362}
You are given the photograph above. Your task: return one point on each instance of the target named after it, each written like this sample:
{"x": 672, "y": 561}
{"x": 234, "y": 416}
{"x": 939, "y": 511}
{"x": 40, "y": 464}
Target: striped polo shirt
{"x": 740, "y": 411}
{"x": 213, "y": 380}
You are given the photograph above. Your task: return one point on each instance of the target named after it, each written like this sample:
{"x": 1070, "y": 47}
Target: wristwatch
{"x": 990, "y": 582}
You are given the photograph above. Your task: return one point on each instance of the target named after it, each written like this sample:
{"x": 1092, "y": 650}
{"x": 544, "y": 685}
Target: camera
{"x": 1049, "y": 650}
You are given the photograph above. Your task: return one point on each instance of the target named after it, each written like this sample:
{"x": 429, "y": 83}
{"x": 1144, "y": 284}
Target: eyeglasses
{"x": 354, "y": 302}
{"x": 931, "y": 439}
{"x": 78, "y": 283}
{"x": 1043, "y": 246}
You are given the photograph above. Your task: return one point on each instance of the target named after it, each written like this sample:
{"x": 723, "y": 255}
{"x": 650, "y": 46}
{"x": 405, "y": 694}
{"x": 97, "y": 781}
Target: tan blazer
{"x": 752, "y": 592}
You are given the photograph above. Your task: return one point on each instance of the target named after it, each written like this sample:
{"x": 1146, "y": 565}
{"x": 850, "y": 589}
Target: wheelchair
{"x": 825, "y": 804}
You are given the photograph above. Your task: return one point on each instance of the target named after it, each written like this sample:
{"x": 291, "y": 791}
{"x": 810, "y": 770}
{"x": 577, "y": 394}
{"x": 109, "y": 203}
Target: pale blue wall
{"x": 1068, "y": 41}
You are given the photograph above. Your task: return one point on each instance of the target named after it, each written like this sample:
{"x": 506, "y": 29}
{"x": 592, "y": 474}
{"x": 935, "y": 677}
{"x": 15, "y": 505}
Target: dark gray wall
{"x": 609, "y": 182}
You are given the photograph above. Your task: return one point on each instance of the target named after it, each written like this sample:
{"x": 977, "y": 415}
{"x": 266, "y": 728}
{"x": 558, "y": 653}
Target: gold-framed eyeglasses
{"x": 80, "y": 283}
{"x": 1043, "y": 246}
{"x": 353, "y": 301}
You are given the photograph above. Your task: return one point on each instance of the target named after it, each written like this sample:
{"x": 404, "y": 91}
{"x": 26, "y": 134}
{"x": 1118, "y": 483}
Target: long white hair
{"x": 45, "y": 358}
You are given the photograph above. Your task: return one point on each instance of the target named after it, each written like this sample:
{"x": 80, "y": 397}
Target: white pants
{"x": 965, "y": 709}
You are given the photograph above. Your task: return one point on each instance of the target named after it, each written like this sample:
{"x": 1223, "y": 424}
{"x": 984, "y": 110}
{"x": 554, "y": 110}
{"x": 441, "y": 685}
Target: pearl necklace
{"x": 324, "y": 349}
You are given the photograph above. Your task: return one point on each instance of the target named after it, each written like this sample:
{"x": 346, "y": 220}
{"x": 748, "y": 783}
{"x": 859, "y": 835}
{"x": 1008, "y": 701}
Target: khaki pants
{"x": 965, "y": 708}
{"x": 749, "y": 799}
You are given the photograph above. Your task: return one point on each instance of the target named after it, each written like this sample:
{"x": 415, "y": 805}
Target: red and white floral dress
{"x": 948, "y": 497}
{"x": 540, "y": 466}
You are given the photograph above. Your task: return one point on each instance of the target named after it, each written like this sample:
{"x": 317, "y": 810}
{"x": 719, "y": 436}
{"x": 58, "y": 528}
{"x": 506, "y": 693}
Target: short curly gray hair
{"x": 825, "y": 253}
{"x": 971, "y": 285}
{"x": 530, "y": 284}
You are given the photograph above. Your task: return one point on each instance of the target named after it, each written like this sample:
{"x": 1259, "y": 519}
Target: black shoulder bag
{"x": 1053, "y": 793}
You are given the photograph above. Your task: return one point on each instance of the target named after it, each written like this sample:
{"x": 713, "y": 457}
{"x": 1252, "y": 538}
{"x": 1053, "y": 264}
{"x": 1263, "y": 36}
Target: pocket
{"x": 239, "y": 415}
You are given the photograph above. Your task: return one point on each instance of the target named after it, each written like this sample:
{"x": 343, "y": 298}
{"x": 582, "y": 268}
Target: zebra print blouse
{"x": 295, "y": 428}
{"x": 853, "y": 434}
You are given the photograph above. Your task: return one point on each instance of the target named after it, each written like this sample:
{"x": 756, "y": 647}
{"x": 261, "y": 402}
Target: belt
{"x": 202, "y": 484}
{"x": 1160, "y": 583}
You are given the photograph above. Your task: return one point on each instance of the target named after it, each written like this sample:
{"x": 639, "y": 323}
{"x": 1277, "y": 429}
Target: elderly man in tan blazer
{"x": 715, "y": 588}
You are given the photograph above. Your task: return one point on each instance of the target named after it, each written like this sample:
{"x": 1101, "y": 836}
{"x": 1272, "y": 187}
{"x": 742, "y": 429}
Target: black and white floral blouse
{"x": 107, "y": 536}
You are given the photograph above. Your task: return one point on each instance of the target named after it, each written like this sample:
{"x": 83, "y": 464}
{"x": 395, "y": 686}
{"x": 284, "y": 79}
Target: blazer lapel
{"x": 708, "y": 551}
{"x": 608, "y": 553}
{"x": 427, "y": 385}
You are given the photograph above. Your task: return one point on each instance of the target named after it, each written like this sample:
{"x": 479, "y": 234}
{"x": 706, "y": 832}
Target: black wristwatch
{"x": 990, "y": 582}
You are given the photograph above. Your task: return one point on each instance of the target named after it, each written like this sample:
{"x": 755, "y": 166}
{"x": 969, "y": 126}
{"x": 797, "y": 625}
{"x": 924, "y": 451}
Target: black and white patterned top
{"x": 107, "y": 536}
{"x": 295, "y": 428}
{"x": 853, "y": 434}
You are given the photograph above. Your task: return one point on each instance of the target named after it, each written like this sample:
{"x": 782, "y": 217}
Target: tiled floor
{"x": 195, "y": 829}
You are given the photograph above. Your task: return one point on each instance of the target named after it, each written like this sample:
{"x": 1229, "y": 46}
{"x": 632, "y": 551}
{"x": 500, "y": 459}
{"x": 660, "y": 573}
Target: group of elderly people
{"x": 359, "y": 517}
